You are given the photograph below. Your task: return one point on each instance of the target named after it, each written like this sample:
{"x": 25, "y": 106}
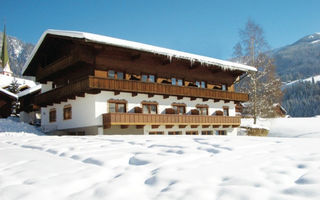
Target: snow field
{"x": 159, "y": 167}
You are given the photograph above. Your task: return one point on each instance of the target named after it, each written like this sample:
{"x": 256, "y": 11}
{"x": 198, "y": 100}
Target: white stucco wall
{"x": 87, "y": 111}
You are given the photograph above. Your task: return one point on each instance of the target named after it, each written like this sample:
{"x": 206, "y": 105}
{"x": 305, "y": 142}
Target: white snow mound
{"x": 12, "y": 126}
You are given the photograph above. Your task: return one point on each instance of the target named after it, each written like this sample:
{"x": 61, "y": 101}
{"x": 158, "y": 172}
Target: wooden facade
{"x": 93, "y": 85}
{"x": 110, "y": 119}
{"x": 76, "y": 66}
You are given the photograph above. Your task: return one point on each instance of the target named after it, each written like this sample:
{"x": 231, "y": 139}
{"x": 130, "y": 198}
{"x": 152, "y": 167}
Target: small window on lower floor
{"x": 221, "y": 132}
{"x": 67, "y": 112}
{"x": 207, "y": 133}
{"x": 52, "y": 115}
{"x": 156, "y": 133}
{"x": 174, "y": 133}
{"x": 191, "y": 132}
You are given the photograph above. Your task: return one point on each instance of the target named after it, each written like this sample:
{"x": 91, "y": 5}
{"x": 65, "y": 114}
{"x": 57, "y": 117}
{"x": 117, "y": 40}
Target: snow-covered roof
{"x": 5, "y": 81}
{"x": 8, "y": 93}
{"x": 29, "y": 91}
{"x": 90, "y": 37}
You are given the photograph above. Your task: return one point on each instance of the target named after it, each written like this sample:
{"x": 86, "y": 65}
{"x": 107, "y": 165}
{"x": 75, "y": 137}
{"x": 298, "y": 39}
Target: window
{"x": 203, "y": 109}
{"x": 175, "y": 81}
{"x": 197, "y": 83}
{"x": 144, "y": 78}
{"x": 191, "y": 132}
{"x": 206, "y": 133}
{"x": 149, "y": 108}
{"x": 174, "y": 133}
{"x": 117, "y": 106}
{"x": 221, "y": 132}
{"x": 156, "y": 133}
{"x": 225, "y": 111}
{"x": 224, "y": 87}
{"x": 67, "y": 112}
{"x": 179, "y": 108}
{"x": 111, "y": 74}
{"x": 152, "y": 78}
{"x": 52, "y": 115}
{"x": 120, "y": 75}
{"x": 148, "y": 78}
{"x": 203, "y": 84}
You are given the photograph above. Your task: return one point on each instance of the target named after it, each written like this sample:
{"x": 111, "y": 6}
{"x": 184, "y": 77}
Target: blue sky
{"x": 203, "y": 27}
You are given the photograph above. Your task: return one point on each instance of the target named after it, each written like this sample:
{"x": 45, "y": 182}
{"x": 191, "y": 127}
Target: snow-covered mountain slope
{"x": 18, "y": 53}
{"x": 299, "y": 60}
{"x": 314, "y": 79}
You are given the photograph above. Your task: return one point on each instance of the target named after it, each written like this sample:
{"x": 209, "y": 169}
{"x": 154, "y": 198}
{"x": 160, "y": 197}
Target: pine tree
{"x": 14, "y": 88}
{"x": 263, "y": 86}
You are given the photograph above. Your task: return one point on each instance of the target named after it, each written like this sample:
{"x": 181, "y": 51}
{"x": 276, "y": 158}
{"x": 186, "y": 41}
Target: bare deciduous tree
{"x": 263, "y": 86}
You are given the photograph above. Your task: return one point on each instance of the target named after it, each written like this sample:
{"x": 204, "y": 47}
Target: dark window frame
{"x": 67, "y": 112}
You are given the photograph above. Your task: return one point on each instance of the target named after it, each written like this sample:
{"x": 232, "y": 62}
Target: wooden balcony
{"x": 164, "y": 89}
{"x": 167, "y": 119}
{"x": 93, "y": 85}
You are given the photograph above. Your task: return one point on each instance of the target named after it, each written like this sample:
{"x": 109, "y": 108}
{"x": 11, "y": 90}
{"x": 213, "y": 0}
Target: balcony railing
{"x": 93, "y": 84}
{"x": 166, "y": 119}
{"x": 164, "y": 89}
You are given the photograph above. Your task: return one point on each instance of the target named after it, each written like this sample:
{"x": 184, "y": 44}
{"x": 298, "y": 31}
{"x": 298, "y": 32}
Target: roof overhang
{"x": 94, "y": 38}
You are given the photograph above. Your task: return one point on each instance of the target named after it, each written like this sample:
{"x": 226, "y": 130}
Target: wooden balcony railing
{"x": 166, "y": 119}
{"x": 164, "y": 89}
{"x": 93, "y": 84}
{"x": 57, "y": 95}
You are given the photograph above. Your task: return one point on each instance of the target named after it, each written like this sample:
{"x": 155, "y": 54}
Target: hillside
{"x": 299, "y": 60}
{"x": 18, "y": 53}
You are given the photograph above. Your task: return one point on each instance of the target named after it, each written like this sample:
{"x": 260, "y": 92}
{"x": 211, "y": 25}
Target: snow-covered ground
{"x": 287, "y": 127}
{"x": 157, "y": 167}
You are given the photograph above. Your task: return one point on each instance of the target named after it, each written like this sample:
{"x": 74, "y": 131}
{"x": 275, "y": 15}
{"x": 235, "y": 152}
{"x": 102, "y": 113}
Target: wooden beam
{"x": 193, "y": 98}
{"x": 194, "y": 126}
{"x": 216, "y": 100}
{"x": 134, "y": 94}
{"x": 124, "y": 126}
{"x": 235, "y": 126}
{"x": 215, "y": 126}
{"x": 225, "y": 126}
{"x": 150, "y": 95}
{"x": 139, "y": 126}
{"x": 179, "y": 97}
{"x": 205, "y": 99}
{"x": 95, "y": 91}
{"x": 165, "y": 96}
{"x": 82, "y": 94}
{"x": 155, "y": 126}
{"x": 226, "y": 101}
{"x": 169, "y": 126}
{"x": 116, "y": 93}
{"x": 182, "y": 126}
{"x": 205, "y": 126}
